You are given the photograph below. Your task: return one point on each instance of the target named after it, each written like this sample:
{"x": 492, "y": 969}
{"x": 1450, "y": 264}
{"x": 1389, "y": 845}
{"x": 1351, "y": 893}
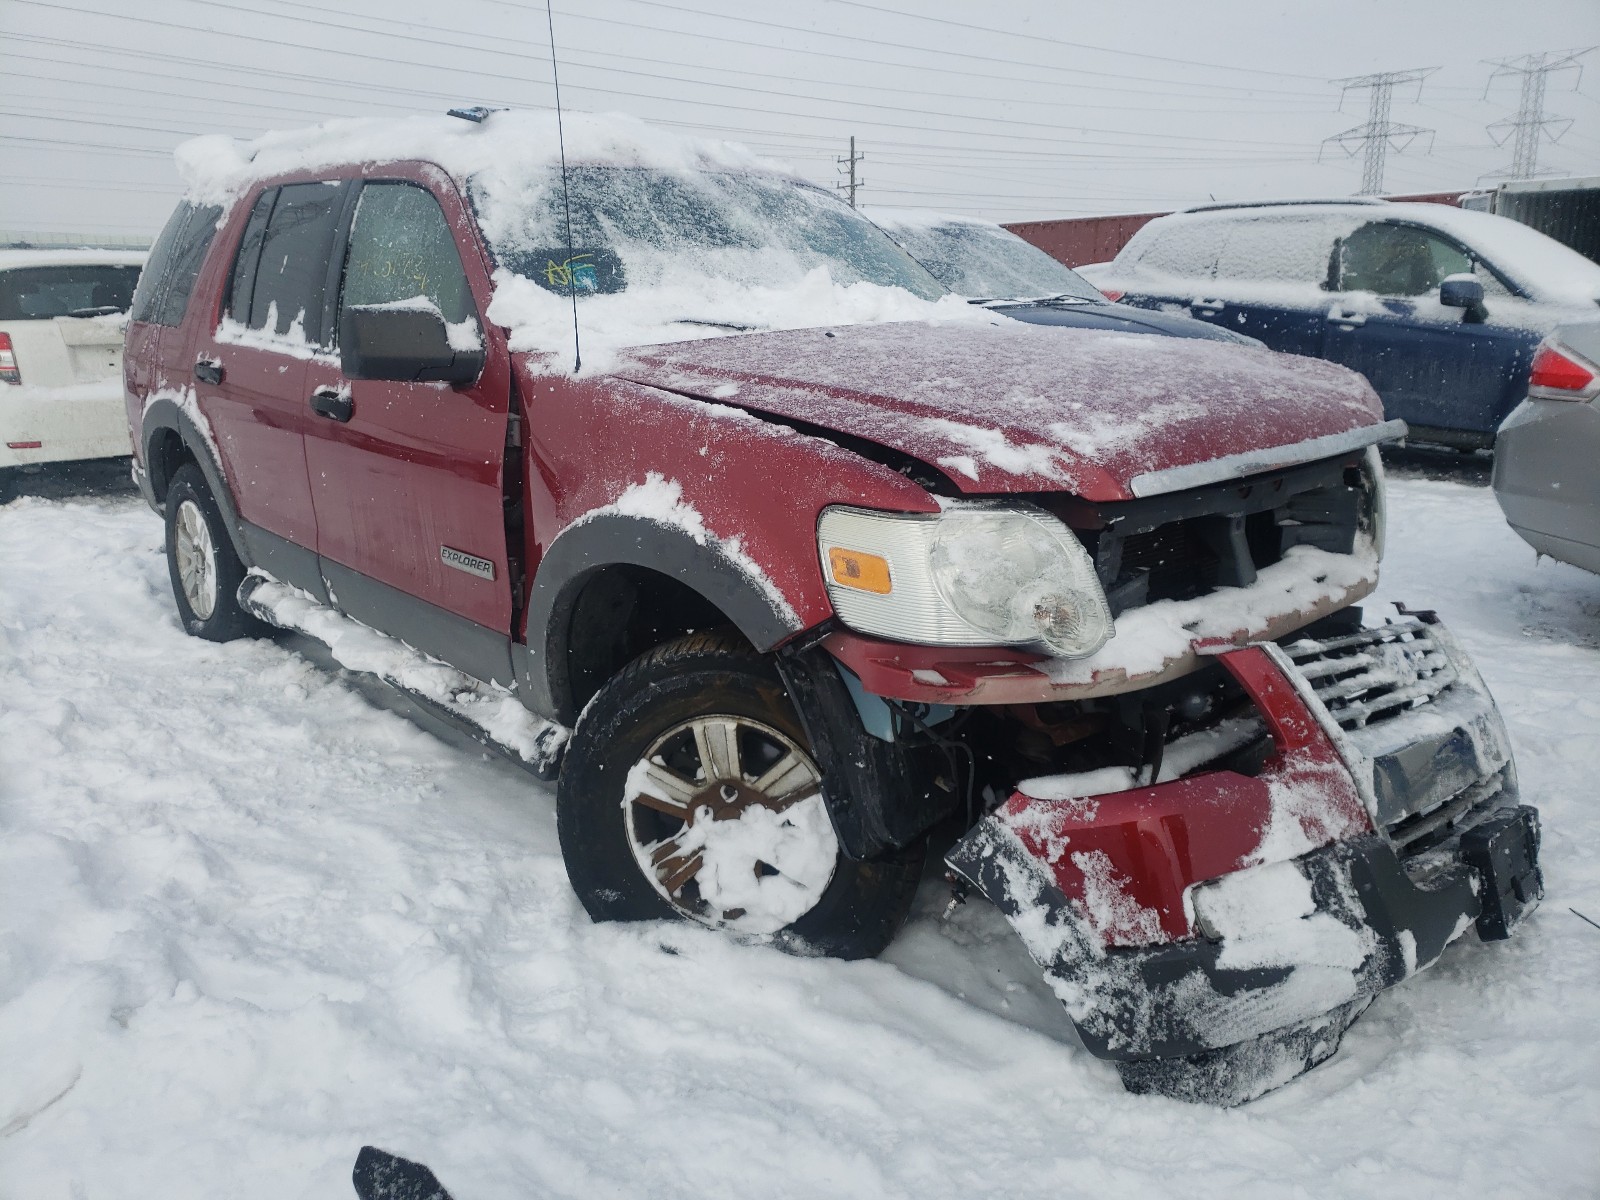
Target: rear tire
{"x": 637, "y": 855}
{"x": 201, "y": 562}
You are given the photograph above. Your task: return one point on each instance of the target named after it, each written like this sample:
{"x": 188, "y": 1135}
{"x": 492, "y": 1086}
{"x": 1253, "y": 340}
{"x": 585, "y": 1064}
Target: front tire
{"x": 201, "y": 562}
{"x": 689, "y": 791}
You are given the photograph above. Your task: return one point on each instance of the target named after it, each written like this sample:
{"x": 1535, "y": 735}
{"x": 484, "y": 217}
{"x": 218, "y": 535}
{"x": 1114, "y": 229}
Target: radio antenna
{"x": 566, "y": 198}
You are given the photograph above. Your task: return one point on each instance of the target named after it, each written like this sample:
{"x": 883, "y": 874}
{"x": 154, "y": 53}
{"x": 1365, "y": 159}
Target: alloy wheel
{"x": 726, "y": 819}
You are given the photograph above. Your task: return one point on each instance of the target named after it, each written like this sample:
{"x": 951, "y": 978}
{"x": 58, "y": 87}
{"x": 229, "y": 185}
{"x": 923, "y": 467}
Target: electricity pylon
{"x": 1524, "y": 129}
{"x": 1379, "y": 134}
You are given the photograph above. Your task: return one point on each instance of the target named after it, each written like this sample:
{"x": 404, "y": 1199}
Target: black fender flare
{"x": 616, "y": 539}
{"x": 164, "y": 413}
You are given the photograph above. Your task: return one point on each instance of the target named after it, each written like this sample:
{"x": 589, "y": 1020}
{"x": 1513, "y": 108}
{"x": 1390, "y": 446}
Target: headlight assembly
{"x": 973, "y": 575}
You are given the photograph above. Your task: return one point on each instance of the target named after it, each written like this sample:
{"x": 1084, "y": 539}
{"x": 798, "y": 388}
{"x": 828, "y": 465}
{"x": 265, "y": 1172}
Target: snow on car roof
{"x": 1548, "y": 269}
{"x": 508, "y": 160}
{"x": 42, "y": 257}
{"x": 215, "y": 168}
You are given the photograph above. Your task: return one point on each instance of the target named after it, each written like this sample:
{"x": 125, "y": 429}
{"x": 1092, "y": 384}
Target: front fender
{"x": 714, "y": 568}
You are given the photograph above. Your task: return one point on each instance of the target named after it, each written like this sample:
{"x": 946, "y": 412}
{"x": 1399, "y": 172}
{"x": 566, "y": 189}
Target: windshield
{"x": 79, "y": 290}
{"x": 639, "y": 228}
{"x": 986, "y": 262}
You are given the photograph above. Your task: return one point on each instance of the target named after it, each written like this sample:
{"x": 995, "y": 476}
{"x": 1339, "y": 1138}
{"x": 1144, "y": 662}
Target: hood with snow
{"x": 1010, "y": 408}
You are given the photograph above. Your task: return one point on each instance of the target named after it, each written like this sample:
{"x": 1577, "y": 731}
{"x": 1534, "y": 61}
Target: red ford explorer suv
{"x": 707, "y": 498}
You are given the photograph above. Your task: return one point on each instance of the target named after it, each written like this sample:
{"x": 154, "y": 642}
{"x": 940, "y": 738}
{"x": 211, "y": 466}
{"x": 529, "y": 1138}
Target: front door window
{"x": 1398, "y": 260}
{"x": 401, "y": 248}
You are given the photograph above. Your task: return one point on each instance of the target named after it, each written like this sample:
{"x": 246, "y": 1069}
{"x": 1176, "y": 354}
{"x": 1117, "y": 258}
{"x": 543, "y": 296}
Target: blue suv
{"x": 1440, "y": 308}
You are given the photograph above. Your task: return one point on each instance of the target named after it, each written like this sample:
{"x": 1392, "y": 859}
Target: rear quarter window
{"x": 1185, "y": 248}
{"x": 162, "y": 296}
{"x": 69, "y": 290}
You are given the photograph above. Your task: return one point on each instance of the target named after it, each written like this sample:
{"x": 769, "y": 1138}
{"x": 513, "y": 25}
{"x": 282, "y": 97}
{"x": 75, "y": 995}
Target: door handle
{"x": 1348, "y": 319}
{"x": 1210, "y": 307}
{"x": 333, "y": 404}
{"x": 208, "y": 370}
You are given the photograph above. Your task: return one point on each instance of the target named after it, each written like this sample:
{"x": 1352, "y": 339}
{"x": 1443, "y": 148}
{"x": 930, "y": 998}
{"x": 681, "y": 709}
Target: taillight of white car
{"x": 8, "y": 361}
{"x": 1560, "y": 374}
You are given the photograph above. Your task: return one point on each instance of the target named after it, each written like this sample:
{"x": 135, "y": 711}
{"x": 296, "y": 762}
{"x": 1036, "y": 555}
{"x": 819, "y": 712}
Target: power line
{"x": 54, "y": 143}
{"x": 742, "y": 108}
{"x": 1034, "y": 37}
{"x": 494, "y": 46}
{"x": 1008, "y": 62}
{"x": 1378, "y": 134}
{"x": 1531, "y": 121}
{"x": 1009, "y": 75}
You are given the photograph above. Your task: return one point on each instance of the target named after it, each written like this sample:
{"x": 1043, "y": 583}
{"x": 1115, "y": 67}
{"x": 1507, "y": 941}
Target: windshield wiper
{"x": 1021, "y": 301}
{"x": 99, "y": 310}
{"x": 736, "y": 328}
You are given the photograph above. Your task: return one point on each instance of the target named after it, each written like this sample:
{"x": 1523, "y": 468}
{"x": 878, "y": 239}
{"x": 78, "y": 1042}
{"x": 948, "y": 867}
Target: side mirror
{"x": 388, "y": 341}
{"x": 1461, "y": 291}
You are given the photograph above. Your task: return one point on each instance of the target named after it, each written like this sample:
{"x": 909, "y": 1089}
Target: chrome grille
{"x": 1375, "y": 673}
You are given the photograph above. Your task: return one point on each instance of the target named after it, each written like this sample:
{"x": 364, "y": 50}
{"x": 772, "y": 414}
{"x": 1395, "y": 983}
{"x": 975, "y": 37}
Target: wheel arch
{"x": 170, "y": 437}
{"x": 585, "y": 621}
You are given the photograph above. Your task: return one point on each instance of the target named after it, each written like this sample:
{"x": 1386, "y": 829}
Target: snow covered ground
{"x": 250, "y": 920}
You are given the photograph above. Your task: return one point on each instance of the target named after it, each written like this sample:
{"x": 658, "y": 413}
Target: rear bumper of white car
{"x": 62, "y": 424}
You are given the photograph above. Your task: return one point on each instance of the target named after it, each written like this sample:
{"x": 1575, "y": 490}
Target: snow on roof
{"x": 41, "y": 257}
{"x": 673, "y": 290}
{"x": 215, "y": 168}
{"x": 1548, "y": 269}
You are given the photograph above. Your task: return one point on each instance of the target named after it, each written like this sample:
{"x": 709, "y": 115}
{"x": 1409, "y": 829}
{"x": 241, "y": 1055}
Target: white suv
{"x": 62, "y": 318}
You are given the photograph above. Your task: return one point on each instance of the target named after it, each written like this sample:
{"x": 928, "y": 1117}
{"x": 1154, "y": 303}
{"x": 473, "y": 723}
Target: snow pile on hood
{"x": 1010, "y": 407}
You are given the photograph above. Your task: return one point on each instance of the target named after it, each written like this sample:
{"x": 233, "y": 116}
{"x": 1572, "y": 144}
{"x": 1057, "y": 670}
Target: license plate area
{"x": 1504, "y": 850}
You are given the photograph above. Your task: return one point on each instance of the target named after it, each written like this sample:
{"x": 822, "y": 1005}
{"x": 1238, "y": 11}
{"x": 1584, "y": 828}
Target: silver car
{"x": 1545, "y": 473}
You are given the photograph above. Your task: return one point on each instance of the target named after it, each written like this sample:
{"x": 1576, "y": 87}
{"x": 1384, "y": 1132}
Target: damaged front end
{"x": 1215, "y": 934}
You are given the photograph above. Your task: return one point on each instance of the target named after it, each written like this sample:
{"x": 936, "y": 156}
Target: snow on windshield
{"x": 658, "y": 255}
{"x": 673, "y": 238}
{"x": 981, "y": 260}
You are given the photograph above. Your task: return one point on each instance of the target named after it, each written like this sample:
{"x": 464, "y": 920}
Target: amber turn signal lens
{"x": 864, "y": 572}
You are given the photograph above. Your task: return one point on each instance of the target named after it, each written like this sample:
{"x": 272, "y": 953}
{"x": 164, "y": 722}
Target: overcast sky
{"x": 1010, "y": 109}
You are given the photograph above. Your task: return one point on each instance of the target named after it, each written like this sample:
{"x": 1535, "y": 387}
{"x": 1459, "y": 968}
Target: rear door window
{"x": 290, "y": 278}
{"x": 162, "y": 296}
{"x": 75, "y": 290}
{"x": 242, "y": 279}
{"x": 401, "y": 247}
{"x": 1286, "y": 249}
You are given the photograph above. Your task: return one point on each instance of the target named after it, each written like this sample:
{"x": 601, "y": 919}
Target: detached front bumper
{"x": 1216, "y": 935}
